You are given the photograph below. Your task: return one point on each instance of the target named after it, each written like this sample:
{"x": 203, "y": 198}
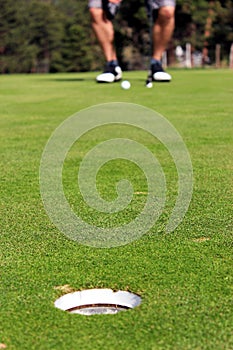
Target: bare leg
{"x": 104, "y": 32}
{"x": 163, "y": 30}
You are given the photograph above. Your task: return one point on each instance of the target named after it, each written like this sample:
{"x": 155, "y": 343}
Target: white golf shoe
{"x": 110, "y": 75}
{"x": 158, "y": 74}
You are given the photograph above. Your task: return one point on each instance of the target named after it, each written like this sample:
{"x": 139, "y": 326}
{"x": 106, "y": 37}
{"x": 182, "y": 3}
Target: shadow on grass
{"x": 70, "y": 79}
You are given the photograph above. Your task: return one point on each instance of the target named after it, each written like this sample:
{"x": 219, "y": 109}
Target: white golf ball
{"x": 125, "y": 85}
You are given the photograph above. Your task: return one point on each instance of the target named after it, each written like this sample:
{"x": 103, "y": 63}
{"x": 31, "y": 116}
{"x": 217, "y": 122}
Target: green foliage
{"x": 191, "y": 18}
{"x": 205, "y": 24}
{"x": 223, "y": 24}
{"x": 56, "y": 35}
{"x": 76, "y": 42}
{"x": 31, "y": 32}
{"x": 46, "y": 26}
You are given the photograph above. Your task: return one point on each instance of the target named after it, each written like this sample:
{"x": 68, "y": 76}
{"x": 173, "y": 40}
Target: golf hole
{"x": 97, "y": 301}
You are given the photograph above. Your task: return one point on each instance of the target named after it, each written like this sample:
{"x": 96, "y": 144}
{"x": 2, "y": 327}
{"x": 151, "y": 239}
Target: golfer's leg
{"x": 104, "y": 32}
{"x": 163, "y": 30}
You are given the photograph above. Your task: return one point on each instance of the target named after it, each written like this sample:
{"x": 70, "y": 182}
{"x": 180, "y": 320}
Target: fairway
{"x": 185, "y": 278}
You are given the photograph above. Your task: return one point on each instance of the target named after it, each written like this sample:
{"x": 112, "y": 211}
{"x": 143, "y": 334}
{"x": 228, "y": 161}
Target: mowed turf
{"x": 185, "y": 278}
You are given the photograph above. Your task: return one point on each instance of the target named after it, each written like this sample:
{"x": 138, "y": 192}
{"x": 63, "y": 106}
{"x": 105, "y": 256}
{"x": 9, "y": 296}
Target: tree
{"x": 76, "y": 50}
{"x": 12, "y": 42}
{"x": 46, "y": 33}
{"x": 30, "y": 32}
{"x": 223, "y": 26}
{"x": 205, "y": 24}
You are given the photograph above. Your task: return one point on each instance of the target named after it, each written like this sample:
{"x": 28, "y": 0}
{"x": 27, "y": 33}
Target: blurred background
{"x": 41, "y": 36}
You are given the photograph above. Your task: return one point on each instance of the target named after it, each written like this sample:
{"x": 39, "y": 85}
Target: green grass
{"x": 185, "y": 278}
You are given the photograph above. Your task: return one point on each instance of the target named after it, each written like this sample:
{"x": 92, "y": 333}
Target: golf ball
{"x": 125, "y": 85}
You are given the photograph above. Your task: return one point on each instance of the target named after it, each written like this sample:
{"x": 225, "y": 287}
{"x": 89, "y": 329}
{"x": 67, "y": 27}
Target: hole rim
{"x": 105, "y": 299}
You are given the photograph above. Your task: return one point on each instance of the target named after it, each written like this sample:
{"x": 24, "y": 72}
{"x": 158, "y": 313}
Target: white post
{"x": 164, "y": 59}
{"x": 218, "y": 56}
{"x": 188, "y": 57}
{"x": 231, "y": 57}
